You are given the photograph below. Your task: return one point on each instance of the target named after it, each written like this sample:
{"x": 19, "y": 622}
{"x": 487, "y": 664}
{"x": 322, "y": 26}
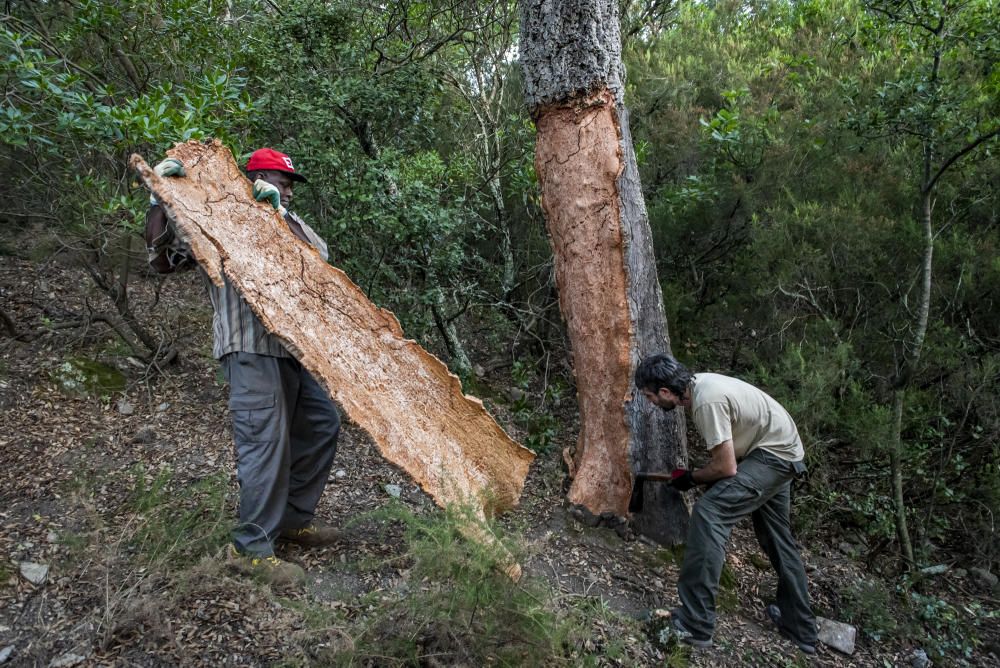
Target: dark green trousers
{"x": 761, "y": 488}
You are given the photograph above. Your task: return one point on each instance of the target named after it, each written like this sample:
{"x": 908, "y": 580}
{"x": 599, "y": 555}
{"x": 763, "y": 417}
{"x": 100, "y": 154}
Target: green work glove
{"x": 168, "y": 167}
{"x": 262, "y": 190}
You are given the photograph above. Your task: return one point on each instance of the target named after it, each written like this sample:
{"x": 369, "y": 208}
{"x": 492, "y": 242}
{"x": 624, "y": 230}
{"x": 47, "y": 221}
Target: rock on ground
{"x": 837, "y": 635}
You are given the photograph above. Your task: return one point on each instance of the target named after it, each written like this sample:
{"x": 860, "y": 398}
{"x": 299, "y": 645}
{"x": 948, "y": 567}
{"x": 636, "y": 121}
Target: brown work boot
{"x": 270, "y": 570}
{"x": 317, "y": 534}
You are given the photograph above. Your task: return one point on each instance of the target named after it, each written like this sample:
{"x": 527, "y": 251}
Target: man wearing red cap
{"x": 284, "y": 424}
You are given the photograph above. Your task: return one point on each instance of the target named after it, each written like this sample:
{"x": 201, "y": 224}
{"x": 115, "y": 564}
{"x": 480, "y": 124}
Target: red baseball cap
{"x": 268, "y": 158}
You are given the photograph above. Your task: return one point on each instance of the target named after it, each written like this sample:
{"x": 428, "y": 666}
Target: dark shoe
{"x": 774, "y": 612}
{"x": 685, "y": 636}
{"x": 316, "y": 534}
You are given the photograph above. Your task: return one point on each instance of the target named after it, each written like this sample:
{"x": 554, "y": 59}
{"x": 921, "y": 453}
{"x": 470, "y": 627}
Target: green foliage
{"x": 162, "y": 527}
{"x": 871, "y": 607}
{"x": 175, "y": 524}
{"x": 393, "y": 161}
{"x": 75, "y": 119}
{"x": 950, "y": 632}
{"x": 783, "y": 203}
{"x": 538, "y": 420}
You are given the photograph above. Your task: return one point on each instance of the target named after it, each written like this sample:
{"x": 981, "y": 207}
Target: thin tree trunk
{"x": 507, "y": 278}
{"x": 896, "y": 469}
{"x": 914, "y": 347}
{"x": 456, "y": 351}
{"x": 608, "y": 289}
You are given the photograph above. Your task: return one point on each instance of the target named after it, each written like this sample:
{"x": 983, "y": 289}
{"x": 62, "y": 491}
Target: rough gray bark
{"x": 569, "y": 47}
{"x": 608, "y": 289}
{"x": 658, "y": 440}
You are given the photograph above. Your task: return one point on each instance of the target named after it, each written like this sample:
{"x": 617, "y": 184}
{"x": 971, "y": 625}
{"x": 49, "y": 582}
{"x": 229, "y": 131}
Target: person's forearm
{"x": 722, "y": 465}
{"x": 710, "y": 473}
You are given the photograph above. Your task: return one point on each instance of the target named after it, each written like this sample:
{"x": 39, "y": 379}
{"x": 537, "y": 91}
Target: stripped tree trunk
{"x": 608, "y": 289}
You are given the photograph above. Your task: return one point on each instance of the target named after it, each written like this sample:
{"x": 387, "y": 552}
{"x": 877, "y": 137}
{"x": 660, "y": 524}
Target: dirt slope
{"x": 83, "y": 481}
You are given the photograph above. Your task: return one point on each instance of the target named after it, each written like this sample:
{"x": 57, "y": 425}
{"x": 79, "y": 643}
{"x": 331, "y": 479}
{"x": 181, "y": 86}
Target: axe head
{"x": 636, "y": 501}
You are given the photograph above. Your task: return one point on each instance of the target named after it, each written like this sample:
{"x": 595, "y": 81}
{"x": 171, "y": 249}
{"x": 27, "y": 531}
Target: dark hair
{"x": 662, "y": 370}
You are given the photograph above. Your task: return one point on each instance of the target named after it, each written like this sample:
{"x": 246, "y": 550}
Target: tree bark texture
{"x": 403, "y": 396}
{"x": 608, "y": 289}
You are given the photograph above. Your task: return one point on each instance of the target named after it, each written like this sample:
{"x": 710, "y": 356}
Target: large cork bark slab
{"x": 403, "y": 396}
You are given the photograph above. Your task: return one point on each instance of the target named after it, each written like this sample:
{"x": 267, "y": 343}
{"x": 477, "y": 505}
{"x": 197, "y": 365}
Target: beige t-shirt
{"x": 726, "y": 408}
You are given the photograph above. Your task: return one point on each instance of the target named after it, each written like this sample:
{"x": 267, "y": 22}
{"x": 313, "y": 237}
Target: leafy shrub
{"x": 537, "y": 420}
{"x": 871, "y": 608}
{"x": 951, "y": 634}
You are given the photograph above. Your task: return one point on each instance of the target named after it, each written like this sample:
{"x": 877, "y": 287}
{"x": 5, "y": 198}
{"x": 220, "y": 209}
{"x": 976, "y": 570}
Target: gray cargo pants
{"x": 285, "y": 427}
{"x": 760, "y": 488}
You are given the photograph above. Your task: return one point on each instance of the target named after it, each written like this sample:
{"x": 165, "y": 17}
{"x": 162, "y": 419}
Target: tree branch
{"x": 968, "y": 148}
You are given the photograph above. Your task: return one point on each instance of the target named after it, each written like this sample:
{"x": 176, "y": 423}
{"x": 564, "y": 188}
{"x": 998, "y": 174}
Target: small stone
{"x": 145, "y": 435}
{"x": 983, "y": 578}
{"x": 5, "y": 653}
{"x": 395, "y": 491}
{"x": 34, "y": 573}
{"x": 837, "y": 635}
{"x": 960, "y": 573}
{"x": 162, "y": 407}
{"x": 920, "y": 659}
{"x": 935, "y": 570}
{"x": 52, "y": 537}
{"x": 849, "y": 549}
{"x": 340, "y": 474}
{"x": 516, "y": 394}
{"x": 125, "y": 408}
{"x": 67, "y": 660}
{"x": 478, "y": 370}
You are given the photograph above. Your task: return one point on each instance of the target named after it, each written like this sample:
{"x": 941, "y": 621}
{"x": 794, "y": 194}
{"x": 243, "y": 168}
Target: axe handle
{"x": 636, "y": 502}
{"x": 655, "y": 477}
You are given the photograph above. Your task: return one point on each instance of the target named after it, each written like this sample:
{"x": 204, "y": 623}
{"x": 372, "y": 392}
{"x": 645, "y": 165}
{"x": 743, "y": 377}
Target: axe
{"x": 636, "y": 501}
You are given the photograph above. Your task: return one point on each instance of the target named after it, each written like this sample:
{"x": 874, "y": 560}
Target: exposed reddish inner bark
{"x": 578, "y": 160}
{"x": 401, "y": 394}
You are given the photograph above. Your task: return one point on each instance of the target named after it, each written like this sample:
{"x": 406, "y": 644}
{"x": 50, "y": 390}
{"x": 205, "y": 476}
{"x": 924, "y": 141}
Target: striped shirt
{"x": 235, "y": 327}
